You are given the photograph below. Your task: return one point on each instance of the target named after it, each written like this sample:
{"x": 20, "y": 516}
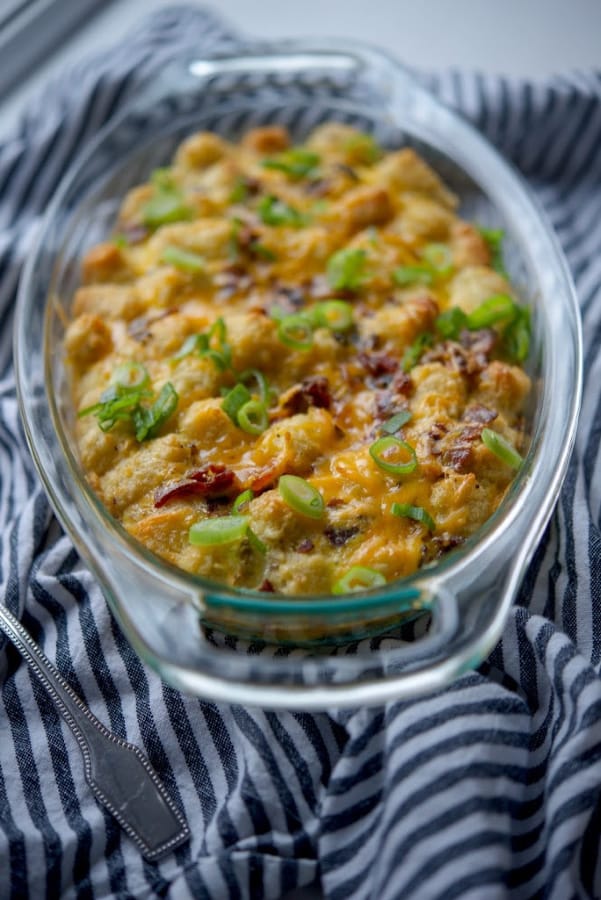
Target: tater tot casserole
{"x": 295, "y": 368}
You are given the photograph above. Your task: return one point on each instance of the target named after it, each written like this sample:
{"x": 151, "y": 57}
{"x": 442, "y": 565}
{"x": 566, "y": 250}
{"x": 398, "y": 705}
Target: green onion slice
{"x": 407, "y": 511}
{"x": 130, "y": 374}
{"x": 301, "y": 496}
{"x": 346, "y": 269}
{"x": 147, "y": 421}
{"x": 218, "y": 531}
{"x": 255, "y": 542}
{"x": 334, "y": 314}
{"x": 167, "y": 203}
{"x": 497, "y": 444}
{"x": 192, "y": 344}
{"x": 260, "y": 250}
{"x": 364, "y": 148}
{"x": 275, "y": 212}
{"x": 396, "y": 422}
{"x": 412, "y": 354}
{"x": 516, "y": 336}
{"x": 497, "y": 308}
{"x": 242, "y": 500}
{"x": 255, "y": 375}
{"x": 295, "y": 163}
{"x": 494, "y": 238}
{"x": 234, "y": 400}
{"x": 239, "y": 191}
{"x": 439, "y": 257}
{"x": 386, "y": 449}
{"x": 359, "y": 578}
{"x": 296, "y": 331}
{"x": 451, "y": 322}
{"x": 252, "y": 417}
{"x": 404, "y": 275}
{"x": 185, "y": 260}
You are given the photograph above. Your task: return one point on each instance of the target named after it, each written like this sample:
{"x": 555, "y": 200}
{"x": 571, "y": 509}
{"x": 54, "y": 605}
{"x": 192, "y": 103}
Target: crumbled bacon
{"x": 133, "y": 232}
{"x": 458, "y": 454}
{"x": 305, "y": 546}
{"x": 338, "y": 536}
{"x": 479, "y": 346}
{"x": 314, "y": 391}
{"x": 212, "y": 481}
{"x": 267, "y": 587}
{"x": 378, "y": 364}
{"x": 479, "y": 413}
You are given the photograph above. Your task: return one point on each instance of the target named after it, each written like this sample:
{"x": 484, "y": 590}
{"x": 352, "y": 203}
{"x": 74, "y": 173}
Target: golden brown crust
{"x": 252, "y": 233}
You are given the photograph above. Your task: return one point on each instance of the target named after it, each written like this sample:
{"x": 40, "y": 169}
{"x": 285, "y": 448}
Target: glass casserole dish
{"x": 170, "y": 616}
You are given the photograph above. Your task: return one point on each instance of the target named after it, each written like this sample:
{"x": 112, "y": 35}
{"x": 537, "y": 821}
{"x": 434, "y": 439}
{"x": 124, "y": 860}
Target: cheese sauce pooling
{"x": 318, "y": 311}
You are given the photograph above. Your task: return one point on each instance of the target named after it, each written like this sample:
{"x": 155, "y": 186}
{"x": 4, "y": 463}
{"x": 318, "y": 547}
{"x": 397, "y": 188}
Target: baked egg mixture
{"x": 295, "y": 369}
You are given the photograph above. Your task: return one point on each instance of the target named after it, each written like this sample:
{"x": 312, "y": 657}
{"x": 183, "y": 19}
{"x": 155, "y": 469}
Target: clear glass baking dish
{"x": 300, "y": 653}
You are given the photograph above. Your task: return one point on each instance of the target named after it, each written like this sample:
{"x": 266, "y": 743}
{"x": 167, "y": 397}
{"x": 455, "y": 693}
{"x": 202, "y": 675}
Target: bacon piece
{"x": 458, "y": 454}
{"x": 313, "y": 391}
{"x": 378, "y": 364}
{"x": 480, "y": 414}
{"x": 212, "y": 481}
{"x": 338, "y": 537}
{"x": 267, "y": 587}
{"x": 305, "y": 546}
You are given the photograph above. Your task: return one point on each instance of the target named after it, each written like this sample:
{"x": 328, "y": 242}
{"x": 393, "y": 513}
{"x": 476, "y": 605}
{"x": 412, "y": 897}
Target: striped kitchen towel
{"x": 489, "y": 789}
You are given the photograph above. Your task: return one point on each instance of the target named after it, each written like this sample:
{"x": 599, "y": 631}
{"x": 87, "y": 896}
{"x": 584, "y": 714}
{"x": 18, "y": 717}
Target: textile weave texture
{"x": 489, "y": 789}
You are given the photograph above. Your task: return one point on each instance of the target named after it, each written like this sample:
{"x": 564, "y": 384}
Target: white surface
{"x": 531, "y": 38}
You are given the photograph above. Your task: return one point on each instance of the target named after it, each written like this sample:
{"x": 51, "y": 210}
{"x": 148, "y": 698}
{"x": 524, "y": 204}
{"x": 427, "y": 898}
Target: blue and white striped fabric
{"x": 487, "y": 790}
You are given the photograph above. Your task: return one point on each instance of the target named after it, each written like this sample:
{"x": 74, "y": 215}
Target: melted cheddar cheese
{"x": 222, "y": 272}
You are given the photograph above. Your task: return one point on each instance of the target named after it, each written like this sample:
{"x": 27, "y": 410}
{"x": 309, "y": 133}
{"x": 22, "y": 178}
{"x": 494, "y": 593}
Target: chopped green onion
{"x": 255, "y": 542}
{"x": 120, "y": 403}
{"x": 497, "y": 444}
{"x": 396, "y": 422}
{"x": 494, "y": 238}
{"x": 439, "y": 257}
{"x": 385, "y": 447}
{"x": 412, "y": 354}
{"x": 259, "y": 249}
{"x": 185, "y": 260}
{"x": 451, "y": 322}
{"x": 201, "y": 344}
{"x": 412, "y": 274}
{"x": 242, "y": 500}
{"x": 120, "y": 241}
{"x": 516, "y": 336}
{"x": 275, "y": 212}
{"x": 296, "y": 162}
{"x": 116, "y": 404}
{"x": 346, "y": 269}
{"x": 240, "y": 191}
{"x": 364, "y": 148}
{"x": 193, "y": 343}
{"x": 295, "y": 331}
{"x": 250, "y": 375}
{"x": 497, "y": 308}
{"x": 234, "y": 400}
{"x": 334, "y": 314}
{"x": 406, "y": 510}
{"x": 359, "y": 578}
{"x": 130, "y": 375}
{"x": 147, "y": 421}
{"x": 301, "y": 496}
{"x": 277, "y": 313}
{"x": 252, "y": 417}
{"x": 218, "y": 531}
{"x": 167, "y": 203}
